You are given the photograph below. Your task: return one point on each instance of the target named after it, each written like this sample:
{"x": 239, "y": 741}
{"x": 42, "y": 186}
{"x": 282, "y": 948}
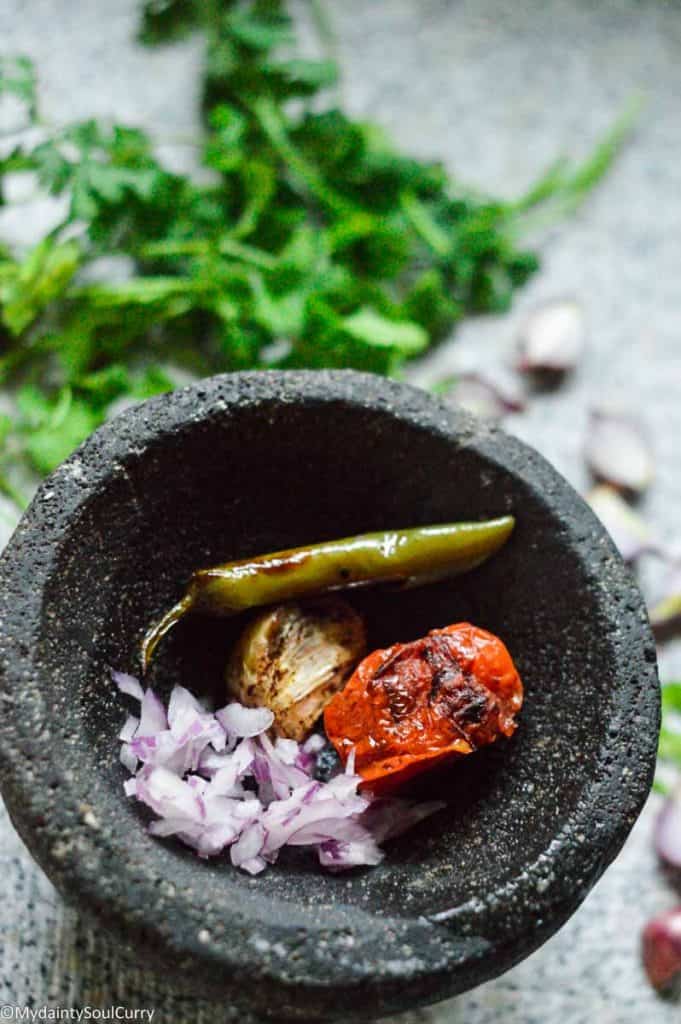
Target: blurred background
{"x": 497, "y": 93}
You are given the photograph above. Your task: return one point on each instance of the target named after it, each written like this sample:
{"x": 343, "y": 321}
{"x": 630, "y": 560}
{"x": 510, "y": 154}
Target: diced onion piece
{"x": 340, "y": 854}
{"x": 128, "y": 758}
{"x": 129, "y": 728}
{"x": 127, "y": 684}
{"x": 197, "y": 786}
{"x": 240, "y": 722}
{"x": 389, "y": 817}
{"x": 153, "y": 716}
{"x": 249, "y": 844}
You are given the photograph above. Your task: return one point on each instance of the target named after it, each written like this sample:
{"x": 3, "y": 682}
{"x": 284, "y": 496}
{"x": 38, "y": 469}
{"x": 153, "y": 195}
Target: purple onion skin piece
{"x": 661, "y": 951}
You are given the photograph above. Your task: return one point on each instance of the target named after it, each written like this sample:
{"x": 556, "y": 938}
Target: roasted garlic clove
{"x": 293, "y": 658}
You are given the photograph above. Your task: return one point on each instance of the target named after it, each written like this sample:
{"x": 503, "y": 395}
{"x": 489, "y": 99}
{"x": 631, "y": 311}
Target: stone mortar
{"x": 244, "y": 463}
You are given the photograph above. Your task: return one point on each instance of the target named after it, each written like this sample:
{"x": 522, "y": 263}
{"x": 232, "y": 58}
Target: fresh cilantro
{"x": 313, "y": 243}
{"x": 18, "y": 78}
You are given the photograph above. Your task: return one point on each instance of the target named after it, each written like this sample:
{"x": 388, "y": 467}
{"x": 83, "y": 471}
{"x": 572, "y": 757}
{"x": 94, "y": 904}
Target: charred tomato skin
{"x": 413, "y": 706}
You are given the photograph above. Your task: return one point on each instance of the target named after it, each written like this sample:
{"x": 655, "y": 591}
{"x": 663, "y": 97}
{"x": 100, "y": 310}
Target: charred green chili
{"x": 410, "y": 557}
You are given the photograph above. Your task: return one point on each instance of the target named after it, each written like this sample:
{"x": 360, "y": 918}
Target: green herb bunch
{"x": 316, "y": 243}
{"x": 669, "y": 752}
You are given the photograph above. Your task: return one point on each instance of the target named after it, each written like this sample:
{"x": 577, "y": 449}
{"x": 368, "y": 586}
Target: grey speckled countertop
{"x": 497, "y": 90}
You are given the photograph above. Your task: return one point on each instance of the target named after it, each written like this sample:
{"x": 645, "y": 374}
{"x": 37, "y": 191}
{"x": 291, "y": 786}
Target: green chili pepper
{"x": 410, "y": 557}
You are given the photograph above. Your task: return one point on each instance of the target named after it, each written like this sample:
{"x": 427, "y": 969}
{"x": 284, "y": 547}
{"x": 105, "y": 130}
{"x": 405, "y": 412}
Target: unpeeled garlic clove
{"x": 293, "y": 658}
{"x": 552, "y": 338}
{"x": 618, "y": 451}
{"x": 486, "y": 397}
{"x": 631, "y": 534}
{"x": 662, "y": 950}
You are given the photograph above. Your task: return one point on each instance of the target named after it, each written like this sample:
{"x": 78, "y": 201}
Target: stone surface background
{"x": 497, "y": 90}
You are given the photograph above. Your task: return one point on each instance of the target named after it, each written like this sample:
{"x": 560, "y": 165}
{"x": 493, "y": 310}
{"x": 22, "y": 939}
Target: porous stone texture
{"x": 497, "y": 90}
{"x": 192, "y": 478}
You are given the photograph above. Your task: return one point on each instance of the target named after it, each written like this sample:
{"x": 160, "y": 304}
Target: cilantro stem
{"x": 225, "y": 246}
{"x": 425, "y": 225}
{"x": 324, "y": 25}
{"x": 559, "y": 192}
{"x": 601, "y": 159}
{"x": 543, "y": 188}
{"x": 312, "y": 228}
{"x": 272, "y": 123}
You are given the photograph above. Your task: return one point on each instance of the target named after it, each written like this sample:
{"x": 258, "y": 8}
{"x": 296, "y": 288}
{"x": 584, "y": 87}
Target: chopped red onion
{"x": 276, "y": 777}
{"x": 241, "y": 722}
{"x": 168, "y": 795}
{"x": 191, "y": 723}
{"x": 245, "y": 852}
{"x": 339, "y": 855}
{"x": 129, "y": 728}
{"x": 618, "y": 451}
{"x": 668, "y": 831}
{"x": 128, "y": 758}
{"x": 227, "y": 770}
{"x": 631, "y": 534}
{"x": 152, "y": 714}
{"x": 197, "y": 768}
{"x": 254, "y": 866}
{"x": 311, "y": 815}
{"x": 662, "y": 949}
{"x": 127, "y": 684}
{"x": 306, "y": 758}
{"x": 313, "y": 744}
{"x": 389, "y": 817}
{"x": 176, "y": 740}
{"x": 287, "y": 750}
{"x": 552, "y": 338}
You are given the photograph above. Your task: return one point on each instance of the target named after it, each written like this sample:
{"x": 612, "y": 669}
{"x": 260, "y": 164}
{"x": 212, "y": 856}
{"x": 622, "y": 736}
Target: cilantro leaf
{"x": 404, "y": 337}
{"x": 26, "y": 288}
{"x": 18, "y": 78}
{"x": 311, "y": 241}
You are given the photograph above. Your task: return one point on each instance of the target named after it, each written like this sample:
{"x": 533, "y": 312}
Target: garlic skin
{"x": 293, "y": 658}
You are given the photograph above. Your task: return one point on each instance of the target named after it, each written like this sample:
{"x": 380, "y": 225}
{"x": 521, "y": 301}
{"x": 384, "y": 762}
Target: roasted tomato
{"x": 413, "y": 706}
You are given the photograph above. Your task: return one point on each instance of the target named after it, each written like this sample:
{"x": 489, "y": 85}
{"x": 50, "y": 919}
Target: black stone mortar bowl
{"x": 246, "y": 463}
